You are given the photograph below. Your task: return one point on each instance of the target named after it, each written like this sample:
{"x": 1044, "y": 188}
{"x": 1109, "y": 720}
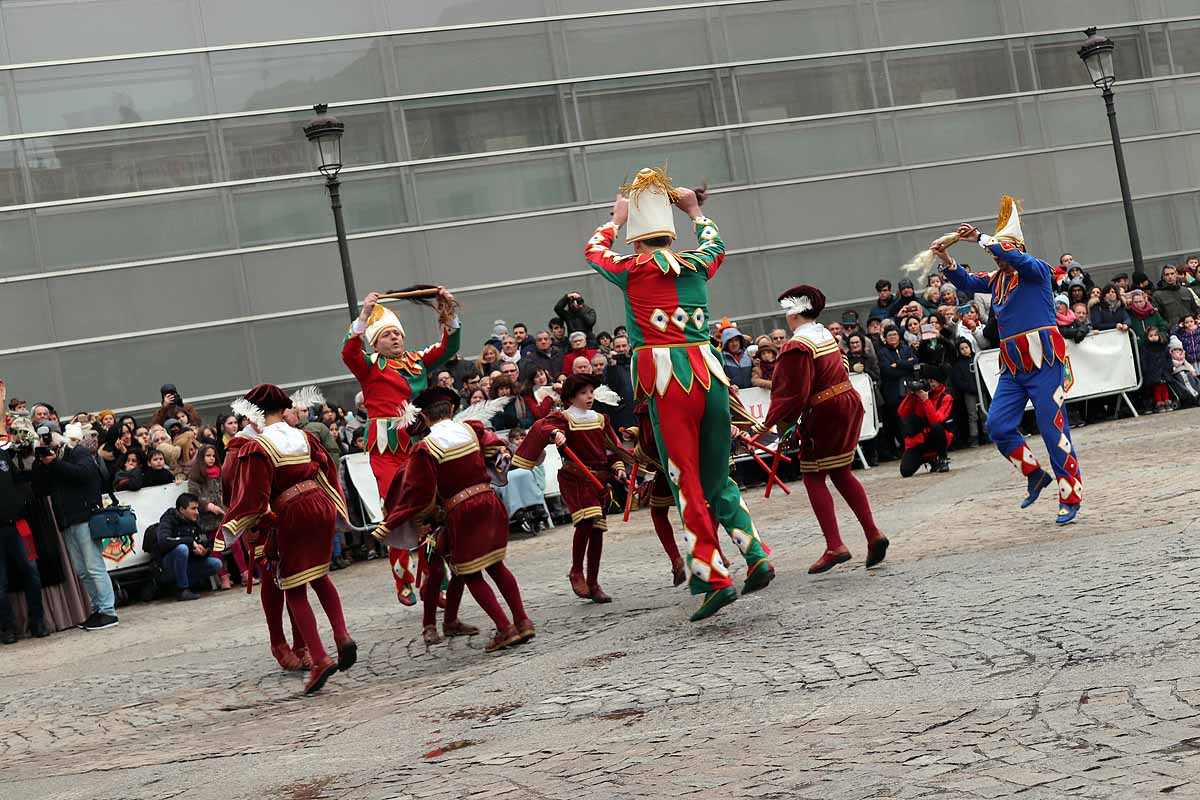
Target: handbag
{"x": 112, "y": 522}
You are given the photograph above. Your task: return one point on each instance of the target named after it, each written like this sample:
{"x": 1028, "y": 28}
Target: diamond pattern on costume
{"x": 680, "y": 318}
{"x": 1023, "y": 459}
{"x": 1059, "y": 395}
{"x": 740, "y": 538}
{"x": 709, "y": 232}
{"x": 1064, "y": 443}
{"x": 658, "y": 318}
{"x": 1070, "y": 490}
{"x": 698, "y": 318}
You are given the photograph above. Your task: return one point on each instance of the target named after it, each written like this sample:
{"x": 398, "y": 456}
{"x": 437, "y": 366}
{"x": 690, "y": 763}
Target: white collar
{"x": 287, "y": 440}
{"x": 814, "y": 332}
{"x": 447, "y": 433}
{"x": 581, "y": 414}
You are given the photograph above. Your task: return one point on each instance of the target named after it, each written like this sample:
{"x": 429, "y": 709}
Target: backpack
{"x": 150, "y": 541}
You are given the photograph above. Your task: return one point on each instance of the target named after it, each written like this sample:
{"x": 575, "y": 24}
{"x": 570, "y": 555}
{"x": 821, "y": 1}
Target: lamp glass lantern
{"x": 1097, "y": 55}
{"x": 325, "y": 131}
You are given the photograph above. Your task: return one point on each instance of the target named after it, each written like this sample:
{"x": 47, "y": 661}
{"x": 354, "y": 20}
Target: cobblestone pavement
{"x": 992, "y": 655}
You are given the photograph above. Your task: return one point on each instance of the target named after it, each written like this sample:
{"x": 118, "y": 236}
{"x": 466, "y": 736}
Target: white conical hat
{"x": 381, "y": 319}
{"x": 650, "y": 199}
{"x": 1008, "y": 221}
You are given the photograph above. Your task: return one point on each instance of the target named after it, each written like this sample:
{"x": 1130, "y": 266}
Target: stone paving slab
{"x": 992, "y": 655}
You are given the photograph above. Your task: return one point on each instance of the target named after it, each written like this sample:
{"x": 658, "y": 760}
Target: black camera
{"x": 917, "y": 385}
{"x": 42, "y": 452}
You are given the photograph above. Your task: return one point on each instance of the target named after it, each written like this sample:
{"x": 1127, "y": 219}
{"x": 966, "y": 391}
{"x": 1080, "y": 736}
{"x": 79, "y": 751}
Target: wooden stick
{"x": 632, "y": 489}
{"x": 753, "y": 443}
{"x": 771, "y": 478}
{"x": 571, "y": 455}
{"x": 406, "y": 295}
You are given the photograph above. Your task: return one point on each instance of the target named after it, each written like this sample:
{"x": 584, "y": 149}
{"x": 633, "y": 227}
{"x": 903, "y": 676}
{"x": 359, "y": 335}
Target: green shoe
{"x": 758, "y": 577}
{"x": 714, "y": 601}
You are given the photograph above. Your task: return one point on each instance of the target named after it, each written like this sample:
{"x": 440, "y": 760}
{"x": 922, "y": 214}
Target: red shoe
{"x": 525, "y": 630}
{"x": 347, "y": 652}
{"x": 579, "y": 585}
{"x": 678, "y": 572}
{"x": 429, "y": 634}
{"x": 407, "y": 596}
{"x": 829, "y": 559}
{"x": 503, "y": 638}
{"x": 598, "y": 595}
{"x": 458, "y": 628}
{"x": 320, "y": 673}
{"x": 305, "y": 658}
{"x": 288, "y": 661}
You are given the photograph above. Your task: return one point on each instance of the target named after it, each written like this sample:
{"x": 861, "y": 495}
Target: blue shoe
{"x": 1037, "y": 481}
{"x": 1067, "y": 512}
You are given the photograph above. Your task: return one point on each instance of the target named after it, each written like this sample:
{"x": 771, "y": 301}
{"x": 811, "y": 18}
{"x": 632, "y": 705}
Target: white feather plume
{"x": 796, "y": 305}
{"x": 244, "y": 408}
{"x": 406, "y": 412}
{"x": 483, "y": 411}
{"x": 307, "y": 396}
{"x": 542, "y": 392}
{"x": 923, "y": 262}
{"x": 607, "y": 396}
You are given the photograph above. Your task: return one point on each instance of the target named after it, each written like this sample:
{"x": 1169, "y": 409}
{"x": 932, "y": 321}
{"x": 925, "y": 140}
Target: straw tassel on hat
{"x": 380, "y": 320}
{"x": 650, "y": 196}
{"x": 1008, "y": 222}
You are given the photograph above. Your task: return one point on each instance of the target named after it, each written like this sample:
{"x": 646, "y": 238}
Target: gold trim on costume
{"x": 661, "y": 502}
{"x": 818, "y": 349}
{"x": 339, "y": 502}
{"x": 278, "y": 459}
{"x": 441, "y": 454}
{"x": 239, "y": 526}
{"x": 826, "y": 464}
{"x": 600, "y": 524}
{"x": 591, "y": 512}
{"x": 483, "y": 562}
{"x": 307, "y": 576}
{"x": 523, "y": 463}
{"x": 585, "y": 425}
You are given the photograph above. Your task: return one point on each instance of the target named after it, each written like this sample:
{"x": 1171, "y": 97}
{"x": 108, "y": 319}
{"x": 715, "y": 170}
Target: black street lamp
{"x": 325, "y": 131}
{"x": 1097, "y": 54}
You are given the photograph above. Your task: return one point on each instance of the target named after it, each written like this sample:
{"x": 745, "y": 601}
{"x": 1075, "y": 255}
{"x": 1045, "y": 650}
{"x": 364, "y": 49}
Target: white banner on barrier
{"x": 1104, "y": 363}
{"x": 758, "y": 403}
{"x": 148, "y": 506}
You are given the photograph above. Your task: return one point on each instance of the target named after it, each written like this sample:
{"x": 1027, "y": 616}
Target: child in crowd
{"x": 590, "y": 436}
{"x": 1068, "y": 321}
{"x": 155, "y": 473}
{"x": 1183, "y": 378}
{"x": 1188, "y": 334}
{"x": 1156, "y": 369}
{"x": 966, "y": 391}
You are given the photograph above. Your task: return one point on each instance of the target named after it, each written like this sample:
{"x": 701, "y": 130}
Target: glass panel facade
{"x": 785, "y": 189}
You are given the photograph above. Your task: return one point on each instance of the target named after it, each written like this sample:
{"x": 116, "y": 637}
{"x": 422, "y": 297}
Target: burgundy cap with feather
{"x": 269, "y": 397}
{"x": 576, "y": 384}
{"x": 803, "y": 299}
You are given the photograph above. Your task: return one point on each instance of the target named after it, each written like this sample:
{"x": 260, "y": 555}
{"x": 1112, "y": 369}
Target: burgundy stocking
{"x": 583, "y": 532}
{"x": 454, "y": 593}
{"x": 431, "y": 589}
{"x": 486, "y": 598}
{"x": 507, "y": 584}
{"x": 594, "y": 549}
{"x": 661, "y": 517}
{"x": 855, "y": 496}
{"x": 327, "y": 593}
{"x": 822, "y": 505}
{"x": 272, "y": 603}
{"x": 302, "y": 617}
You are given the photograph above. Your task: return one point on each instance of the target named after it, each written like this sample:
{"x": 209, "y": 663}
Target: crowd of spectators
{"x": 917, "y": 345}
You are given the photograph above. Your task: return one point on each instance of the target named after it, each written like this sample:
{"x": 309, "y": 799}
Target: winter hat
{"x": 1174, "y": 344}
{"x": 905, "y": 283}
{"x": 499, "y": 328}
{"x": 730, "y": 334}
{"x": 1062, "y": 298}
{"x": 1140, "y": 277}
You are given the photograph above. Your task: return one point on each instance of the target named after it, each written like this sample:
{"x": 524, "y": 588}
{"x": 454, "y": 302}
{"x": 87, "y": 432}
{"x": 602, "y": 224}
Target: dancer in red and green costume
{"x": 677, "y": 369}
{"x": 390, "y": 377}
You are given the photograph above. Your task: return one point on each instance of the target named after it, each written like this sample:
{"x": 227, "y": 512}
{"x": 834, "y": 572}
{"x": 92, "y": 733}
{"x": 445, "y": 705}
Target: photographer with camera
{"x": 577, "y": 316}
{"x": 69, "y": 474}
{"x": 15, "y": 501}
{"x": 925, "y": 421}
{"x": 172, "y": 404}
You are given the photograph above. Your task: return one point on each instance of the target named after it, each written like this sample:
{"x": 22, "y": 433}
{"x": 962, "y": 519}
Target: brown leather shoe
{"x": 503, "y": 638}
{"x": 829, "y": 559}
{"x": 458, "y": 628}
{"x": 305, "y": 658}
{"x": 678, "y": 572}
{"x": 288, "y": 660}
{"x": 579, "y": 585}
{"x": 320, "y": 673}
{"x": 429, "y": 634}
{"x": 598, "y": 595}
{"x": 877, "y": 550}
{"x": 525, "y": 630}
{"x": 347, "y": 652}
